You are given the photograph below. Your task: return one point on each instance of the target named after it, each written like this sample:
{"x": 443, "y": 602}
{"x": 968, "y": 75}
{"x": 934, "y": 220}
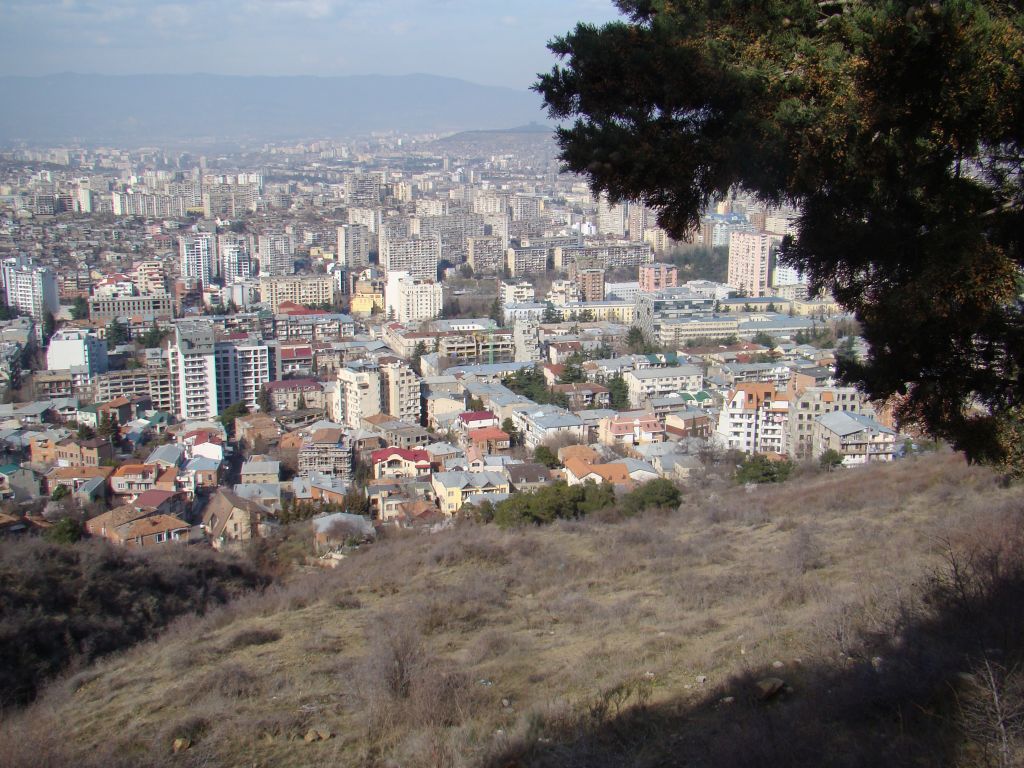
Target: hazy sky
{"x": 485, "y": 41}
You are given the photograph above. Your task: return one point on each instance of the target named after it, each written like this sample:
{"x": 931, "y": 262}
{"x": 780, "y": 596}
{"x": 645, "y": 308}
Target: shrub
{"x": 761, "y": 469}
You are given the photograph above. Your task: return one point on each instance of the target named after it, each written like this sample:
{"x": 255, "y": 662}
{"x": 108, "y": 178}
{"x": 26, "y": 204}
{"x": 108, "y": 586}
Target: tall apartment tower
{"x": 358, "y": 393}
{"x": 277, "y": 254}
{"x": 611, "y": 218}
{"x": 234, "y": 258}
{"x": 31, "y": 289}
{"x": 400, "y": 390}
{"x": 243, "y": 368}
{"x": 654, "y": 277}
{"x": 192, "y": 363}
{"x": 198, "y": 254}
{"x": 416, "y": 254}
{"x": 591, "y": 284}
{"x": 354, "y": 246}
{"x": 750, "y": 262}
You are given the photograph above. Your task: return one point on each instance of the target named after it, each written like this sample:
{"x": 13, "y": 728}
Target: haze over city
{"x": 488, "y": 42}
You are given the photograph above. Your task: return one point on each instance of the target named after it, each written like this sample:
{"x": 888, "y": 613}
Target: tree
{"x": 85, "y": 432}
{"x": 117, "y": 333}
{"x": 300, "y": 404}
{"x": 544, "y": 455}
{"x": 59, "y": 493}
{"x": 264, "y": 400}
{"x": 509, "y": 428}
{"x": 153, "y": 337}
{"x": 49, "y": 326}
{"x": 232, "y": 412}
{"x": 66, "y": 530}
{"x": 80, "y": 308}
{"x": 551, "y": 315}
{"x": 761, "y": 469}
{"x": 497, "y": 311}
{"x": 618, "y": 392}
{"x": 108, "y": 426}
{"x": 897, "y": 128}
{"x": 416, "y": 361}
{"x": 636, "y": 343}
{"x": 764, "y": 339}
{"x": 830, "y": 459}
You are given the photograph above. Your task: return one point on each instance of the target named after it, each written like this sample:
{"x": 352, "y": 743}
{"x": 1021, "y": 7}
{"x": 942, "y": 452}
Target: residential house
{"x": 231, "y": 520}
{"x": 488, "y": 440}
{"x": 453, "y": 488}
{"x": 261, "y": 470}
{"x": 630, "y": 428}
{"x": 548, "y": 422}
{"x": 524, "y": 478}
{"x": 400, "y": 462}
{"x": 289, "y": 394}
{"x": 327, "y": 451}
{"x": 581, "y": 396}
{"x": 658, "y": 382}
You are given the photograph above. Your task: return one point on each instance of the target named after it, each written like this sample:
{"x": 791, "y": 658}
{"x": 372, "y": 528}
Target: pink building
{"x": 656, "y": 276}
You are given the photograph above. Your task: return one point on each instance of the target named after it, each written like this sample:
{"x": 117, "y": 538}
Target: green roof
{"x": 9, "y": 469}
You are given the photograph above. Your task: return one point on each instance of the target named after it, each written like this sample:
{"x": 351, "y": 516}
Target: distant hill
{"x": 146, "y": 109}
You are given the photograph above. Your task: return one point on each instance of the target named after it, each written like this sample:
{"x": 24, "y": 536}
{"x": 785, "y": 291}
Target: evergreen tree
{"x": 80, "y": 308}
{"x": 117, "y": 333}
{"x": 896, "y": 128}
{"x": 264, "y": 400}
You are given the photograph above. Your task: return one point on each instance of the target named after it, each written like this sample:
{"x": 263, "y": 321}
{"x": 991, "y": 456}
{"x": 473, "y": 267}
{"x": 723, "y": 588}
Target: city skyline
{"x": 486, "y": 43}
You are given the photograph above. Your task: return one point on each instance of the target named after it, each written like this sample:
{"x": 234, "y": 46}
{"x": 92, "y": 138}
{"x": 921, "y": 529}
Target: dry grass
{"x": 480, "y": 647}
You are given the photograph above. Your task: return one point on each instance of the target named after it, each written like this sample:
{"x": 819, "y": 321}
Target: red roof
{"x": 291, "y": 308}
{"x": 409, "y": 454}
{"x": 291, "y": 353}
{"x": 153, "y": 498}
{"x": 487, "y": 433}
{"x": 469, "y": 416}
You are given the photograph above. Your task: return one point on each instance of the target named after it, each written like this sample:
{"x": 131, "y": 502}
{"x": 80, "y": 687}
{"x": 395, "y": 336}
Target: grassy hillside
{"x": 602, "y": 643}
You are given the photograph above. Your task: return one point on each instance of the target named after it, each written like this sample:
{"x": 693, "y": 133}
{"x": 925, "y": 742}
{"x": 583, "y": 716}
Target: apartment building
{"x": 417, "y": 255}
{"x": 750, "y": 262}
{"x": 858, "y": 438}
{"x": 354, "y": 246}
{"x": 277, "y": 254}
{"x": 400, "y": 390}
{"x": 485, "y": 254}
{"x": 31, "y": 289}
{"x": 654, "y": 277}
{"x": 408, "y": 300}
{"x": 658, "y": 382}
{"x": 306, "y": 290}
{"x": 808, "y": 404}
{"x": 328, "y": 452}
{"x": 193, "y": 371}
{"x": 358, "y": 394}
{"x": 103, "y": 309}
{"x": 75, "y": 348}
{"x": 754, "y": 419}
{"x": 198, "y": 256}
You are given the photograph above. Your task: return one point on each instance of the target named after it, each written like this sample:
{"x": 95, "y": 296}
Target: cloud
{"x": 308, "y": 9}
{"x": 174, "y": 15}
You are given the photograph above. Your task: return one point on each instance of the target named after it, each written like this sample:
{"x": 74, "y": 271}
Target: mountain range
{"x": 147, "y": 109}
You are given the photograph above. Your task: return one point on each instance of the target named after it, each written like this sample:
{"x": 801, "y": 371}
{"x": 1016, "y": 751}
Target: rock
{"x": 777, "y": 665}
{"x": 506, "y": 703}
{"x": 325, "y": 733}
{"x": 311, "y": 736}
{"x": 768, "y": 687}
{"x": 728, "y": 700}
{"x": 876, "y": 663}
{"x": 180, "y": 745}
{"x": 701, "y": 679}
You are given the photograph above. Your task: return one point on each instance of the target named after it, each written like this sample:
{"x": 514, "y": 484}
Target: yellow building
{"x": 608, "y": 311}
{"x": 364, "y": 303}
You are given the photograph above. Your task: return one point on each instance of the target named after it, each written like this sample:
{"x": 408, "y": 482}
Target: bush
{"x": 761, "y": 469}
{"x": 62, "y": 605}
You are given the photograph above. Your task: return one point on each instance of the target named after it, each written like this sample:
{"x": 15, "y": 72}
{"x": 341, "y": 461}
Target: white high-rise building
{"x": 193, "y": 369}
{"x": 416, "y": 254}
{"x": 243, "y": 368}
{"x": 74, "y": 348}
{"x": 611, "y": 218}
{"x": 358, "y": 393}
{"x": 400, "y": 387}
{"x": 412, "y": 301}
{"x": 354, "y": 246}
{"x": 198, "y": 253}
{"x": 750, "y": 262}
{"x": 234, "y": 258}
{"x": 277, "y": 254}
{"x": 31, "y": 289}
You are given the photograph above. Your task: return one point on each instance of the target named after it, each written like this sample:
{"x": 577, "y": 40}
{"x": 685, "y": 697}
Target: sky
{"x": 484, "y": 41}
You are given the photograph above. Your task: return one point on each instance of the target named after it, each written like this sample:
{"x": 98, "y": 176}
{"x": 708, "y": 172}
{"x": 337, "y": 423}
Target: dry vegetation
{"x": 602, "y": 643}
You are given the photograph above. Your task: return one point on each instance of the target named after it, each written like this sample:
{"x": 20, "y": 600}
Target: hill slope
{"x": 636, "y": 642}
{"x": 148, "y": 109}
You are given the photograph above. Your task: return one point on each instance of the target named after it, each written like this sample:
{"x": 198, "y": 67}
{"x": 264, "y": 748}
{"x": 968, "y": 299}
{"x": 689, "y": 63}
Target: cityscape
{"x": 433, "y": 384}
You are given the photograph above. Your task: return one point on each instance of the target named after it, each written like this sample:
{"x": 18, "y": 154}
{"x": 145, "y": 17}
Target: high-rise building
{"x": 31, "y": 289}
{"x": 486, "y": 255}
{"x": 234, "y": 257}
{"x": 400, "y": 387}
{"x": 358, "y": 393}
{"x": 354, "y": 246}
{"x": 412, "y": 301}
{"x": 277, "y": 254}
{"x": 416, "y": 254}
{"x": 243, "y": 368}
{"x": 73, "y": 348}
{"x": 591, "y": 284}
{"x": 750, "y": 262}
{"x": 611, "y": 218}
{"x": 193, "y": 368}
{"x": 654, "y": 277}
{"x": 151, "y": 278}
{"x": 198, "y": 254}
